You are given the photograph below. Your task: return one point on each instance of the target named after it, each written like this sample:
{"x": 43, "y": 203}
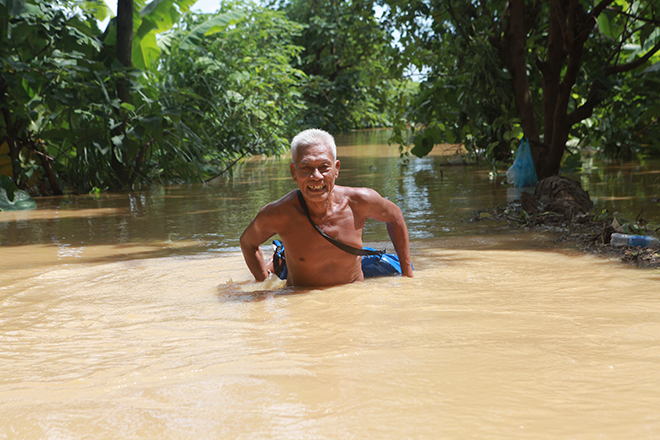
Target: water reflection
{"x": 438, "y": 200}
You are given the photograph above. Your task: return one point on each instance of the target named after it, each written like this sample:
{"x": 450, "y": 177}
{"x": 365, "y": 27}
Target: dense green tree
{"x": 67, "y": 124}
{"x": 345, "y": 57}
{"x": 41, "y": 48}
{"x": 251, "y": 98}
{"x": 545, "y": 68}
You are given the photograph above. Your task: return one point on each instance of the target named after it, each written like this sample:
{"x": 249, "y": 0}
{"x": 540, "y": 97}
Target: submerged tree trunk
{"x": 570, "y": 28}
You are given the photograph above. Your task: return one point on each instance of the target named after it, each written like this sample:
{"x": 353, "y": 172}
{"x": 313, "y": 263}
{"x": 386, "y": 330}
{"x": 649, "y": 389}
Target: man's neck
{"x": 326, "y": 206}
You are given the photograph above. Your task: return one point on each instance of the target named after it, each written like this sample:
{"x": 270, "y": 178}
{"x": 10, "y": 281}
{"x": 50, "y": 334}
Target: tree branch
{"x": 532, "y": 13}
{"x": 458, "y": 24}
{"x": 645, "y": 127}
{"x": 613, "y": 70}
{"x": 600, "y": 7}
{"x": 594, "y": 98}
{"x": 645, "y": 20}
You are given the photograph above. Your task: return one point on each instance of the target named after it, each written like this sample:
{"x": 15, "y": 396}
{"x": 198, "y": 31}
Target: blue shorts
{"x": 380, "y": 265}
{"x": 372, "y": 265}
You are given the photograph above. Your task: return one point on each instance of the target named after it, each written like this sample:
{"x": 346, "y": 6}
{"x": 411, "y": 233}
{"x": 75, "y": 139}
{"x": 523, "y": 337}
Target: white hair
{"x": 313, "y": 136}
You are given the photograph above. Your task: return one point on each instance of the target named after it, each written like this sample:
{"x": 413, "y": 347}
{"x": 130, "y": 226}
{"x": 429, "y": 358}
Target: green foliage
{"x": 236, "y": 89}
{"x": 465, "y": 96}
{"x": 627, "y": 124}
{"x": 44, "y": 53}
{"x": 345, "y": 59}
{"x": 214, "y": 89}
{"x": 468, "y": 95}
{"x": 206, "y": 90}
{"x": 12, "y": 198}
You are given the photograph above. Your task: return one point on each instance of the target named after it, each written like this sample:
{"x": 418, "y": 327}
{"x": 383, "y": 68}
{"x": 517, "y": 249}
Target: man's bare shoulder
{"x": 367, "y": 202}
{"x": 358, "y": 194}
{"x": 285, "y": 203}
{"x": 361, "y": 196}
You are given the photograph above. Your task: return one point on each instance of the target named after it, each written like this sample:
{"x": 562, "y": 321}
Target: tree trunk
{"x": 124, "y": 56}
{"x": 551, "y": 69}
{"x": 570, "y": 27}
{"x": 125, "y": 32}
{"x": 512, "y": 53}
{"x": 124, "y": 42}
{"x": 11, "y": 129}
{"x": 40, "y": 150}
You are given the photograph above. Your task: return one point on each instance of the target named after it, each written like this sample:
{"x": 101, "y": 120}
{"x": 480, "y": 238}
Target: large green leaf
{"x": 156, "y": 17}
{"x": 96, "y": 8}
{"x": 12, "y": 198}
{"x": 209, "y": 27}
{"x": 157, "y": 9}
{"x": 161, "y": 15}
{"x": 604, "y": 25}
{"x": 146, "y": 54}
{"x": 17, "y": 8}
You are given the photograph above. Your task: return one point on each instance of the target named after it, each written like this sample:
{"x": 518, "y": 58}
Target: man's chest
{"x": 301, "y": 237}
{"x": 342, "y": 225}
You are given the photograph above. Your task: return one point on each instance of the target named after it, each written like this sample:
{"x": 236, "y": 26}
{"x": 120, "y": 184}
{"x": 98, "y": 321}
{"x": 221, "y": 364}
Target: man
{"x": 338, "y": 211}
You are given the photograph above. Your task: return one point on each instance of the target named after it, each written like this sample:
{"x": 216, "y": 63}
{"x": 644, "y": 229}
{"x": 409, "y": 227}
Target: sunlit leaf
{"x": 96, "y": 8}
{"x": 146, "y": 53}
{"x": 209, "y": 27}
{"x": 604, "y": 25}
{"x": 21, "y": 8}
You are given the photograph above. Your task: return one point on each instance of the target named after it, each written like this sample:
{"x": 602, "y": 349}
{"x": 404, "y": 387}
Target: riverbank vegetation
{"x": 561, "y": 207}
{"x": 164, "y": 94}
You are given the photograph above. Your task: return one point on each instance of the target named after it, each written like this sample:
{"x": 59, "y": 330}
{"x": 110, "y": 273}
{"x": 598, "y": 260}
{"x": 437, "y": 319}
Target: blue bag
{"x": 523, "y": 172}
{"x": 380, "y": 265}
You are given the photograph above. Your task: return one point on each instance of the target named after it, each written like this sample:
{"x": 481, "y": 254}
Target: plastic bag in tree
{"x": 522, "y": 173}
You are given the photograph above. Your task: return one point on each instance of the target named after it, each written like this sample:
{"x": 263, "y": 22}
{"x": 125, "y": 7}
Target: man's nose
{"x": 316, "y": 174}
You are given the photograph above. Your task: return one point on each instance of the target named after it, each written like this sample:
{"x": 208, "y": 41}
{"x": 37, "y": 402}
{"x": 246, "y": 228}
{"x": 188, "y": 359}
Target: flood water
{"x": 134, "y": 316}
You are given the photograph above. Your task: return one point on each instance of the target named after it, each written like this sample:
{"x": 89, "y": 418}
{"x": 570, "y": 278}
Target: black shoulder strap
{"x": 339, "y": 244}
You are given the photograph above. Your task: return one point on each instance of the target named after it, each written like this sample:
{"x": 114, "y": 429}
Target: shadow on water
{"x": 254, "y": 291}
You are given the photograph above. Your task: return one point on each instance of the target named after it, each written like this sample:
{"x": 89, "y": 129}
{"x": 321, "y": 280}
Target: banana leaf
{"x": 12, "y": 198}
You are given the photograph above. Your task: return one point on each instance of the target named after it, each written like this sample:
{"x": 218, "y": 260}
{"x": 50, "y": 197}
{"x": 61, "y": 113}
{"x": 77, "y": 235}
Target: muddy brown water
{"x": 134, "y": 316}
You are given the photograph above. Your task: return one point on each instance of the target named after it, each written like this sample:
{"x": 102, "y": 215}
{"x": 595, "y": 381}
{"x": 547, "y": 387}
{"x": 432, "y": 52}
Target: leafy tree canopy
{"x": 163, "y": 94}
{"x": 208, "y": 90}
{"x": 548, "y": 70}
{"x": 345, "y": 56}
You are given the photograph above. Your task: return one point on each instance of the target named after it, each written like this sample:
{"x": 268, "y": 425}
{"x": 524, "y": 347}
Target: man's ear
{"x": 337, "y": 166}
{"x": 292, "y": 166}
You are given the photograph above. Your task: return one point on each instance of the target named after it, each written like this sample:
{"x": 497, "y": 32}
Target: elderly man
{"x": 321, "y": 207}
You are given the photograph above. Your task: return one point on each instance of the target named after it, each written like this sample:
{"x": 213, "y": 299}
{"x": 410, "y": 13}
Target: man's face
{"x": 314, "y": 169}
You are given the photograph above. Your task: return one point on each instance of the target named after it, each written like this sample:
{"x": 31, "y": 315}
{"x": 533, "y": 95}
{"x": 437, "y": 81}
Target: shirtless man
{"x": 339, "y": 211}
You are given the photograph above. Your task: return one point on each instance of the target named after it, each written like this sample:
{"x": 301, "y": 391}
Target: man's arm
{"x": 398, "y": 232}
{"x": 257, "y": 232}
{"x": 381, "y": 209}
